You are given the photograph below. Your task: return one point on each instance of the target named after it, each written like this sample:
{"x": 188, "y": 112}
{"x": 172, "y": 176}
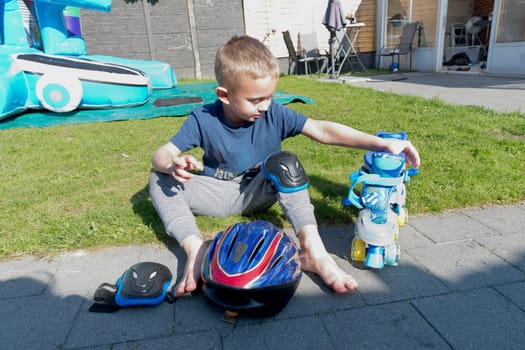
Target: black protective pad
{"x": 144, "y": 280}
{"x": 143, "y": 284}
{"x": 286, "y": 172}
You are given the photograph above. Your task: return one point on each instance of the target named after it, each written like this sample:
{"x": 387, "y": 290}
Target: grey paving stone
{"x": 389, "y": 326}
{"x": 510, "y": 247}
{"x": 81, "y": 272}
{"x": 503, "y": 219}
{"x": 194, "y": 313}
{"x": 448, "y": 227}
{"x": 466, "y": 265}
{"x": 313, "y": 297}
{"x": 297, "y": 333}
{"x": 409, "y": 237}
{"x": 25, "y": 277}
{"x": 338, "y": 239}
{"x": 197, "y": 340}
{"x": 128, "y": 324}
{"x": 478, "y": 319}
{"x": 171, "y": 256}
{"x": 395, "y": 283}
{"x": 38, "y": 322}
{"x": 515, "y": 292}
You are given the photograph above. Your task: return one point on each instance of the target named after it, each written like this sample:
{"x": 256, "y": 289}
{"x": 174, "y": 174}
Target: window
{"x": 399, "y": 12}
{"x": 511, "y": 21}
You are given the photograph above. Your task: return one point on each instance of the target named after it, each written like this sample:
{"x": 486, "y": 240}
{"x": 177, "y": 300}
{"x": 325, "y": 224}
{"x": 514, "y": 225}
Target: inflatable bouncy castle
{"x": 44, "y": 62}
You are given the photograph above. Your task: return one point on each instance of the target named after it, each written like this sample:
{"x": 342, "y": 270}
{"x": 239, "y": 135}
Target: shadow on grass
{"x": 143, "y": 208}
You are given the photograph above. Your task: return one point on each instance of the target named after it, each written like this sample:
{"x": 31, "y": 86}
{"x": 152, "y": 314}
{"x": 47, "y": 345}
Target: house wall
{"x": 366, "y": 13}
{"x": 425, "y": 12}
{"x": 366, "y": 42}
{"x": 483, "y": 7}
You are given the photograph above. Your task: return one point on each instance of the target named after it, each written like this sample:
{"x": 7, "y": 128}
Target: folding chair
{"x": 309, "y": 53}
{"x": 404, "y": 46}
{"x": 458, "y": 35}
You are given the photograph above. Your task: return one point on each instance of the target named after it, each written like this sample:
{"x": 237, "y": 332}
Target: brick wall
{"x": 161, "y": 30}
{"x": 483, "y": 8}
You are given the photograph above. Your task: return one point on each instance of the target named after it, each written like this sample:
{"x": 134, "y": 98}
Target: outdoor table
{"x": 347, "y": 48}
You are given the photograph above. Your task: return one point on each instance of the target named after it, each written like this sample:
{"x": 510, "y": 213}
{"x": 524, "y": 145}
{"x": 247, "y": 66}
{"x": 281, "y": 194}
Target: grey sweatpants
{"x": 178, "y": 203}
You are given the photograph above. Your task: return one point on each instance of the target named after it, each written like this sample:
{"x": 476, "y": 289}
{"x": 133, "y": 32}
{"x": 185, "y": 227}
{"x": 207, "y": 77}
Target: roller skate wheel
{"x": 402, "y": 218}
{"x": 392, "y": 254}
{"x": 374, "y": 257}
{"x": 358, "y": 252}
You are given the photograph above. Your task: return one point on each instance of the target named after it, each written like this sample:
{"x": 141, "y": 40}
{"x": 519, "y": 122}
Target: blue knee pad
{"x": 285, "y": 171}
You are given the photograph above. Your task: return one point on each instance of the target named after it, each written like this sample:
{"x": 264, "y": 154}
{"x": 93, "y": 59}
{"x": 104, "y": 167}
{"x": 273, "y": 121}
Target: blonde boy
{"x": 237, "y": 133}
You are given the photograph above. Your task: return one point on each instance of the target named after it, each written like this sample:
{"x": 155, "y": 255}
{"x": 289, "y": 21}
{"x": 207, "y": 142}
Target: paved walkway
{"x": 460, "y": 285}
{"x": 503, "y": 94}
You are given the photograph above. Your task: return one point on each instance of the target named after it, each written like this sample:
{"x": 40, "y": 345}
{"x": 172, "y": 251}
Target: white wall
{"x": 267, "y": 19}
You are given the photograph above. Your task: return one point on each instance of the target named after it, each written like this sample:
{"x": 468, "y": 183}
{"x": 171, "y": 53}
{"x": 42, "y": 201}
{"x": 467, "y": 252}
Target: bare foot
{"x": 195, "y": 249}
{"x": 332, "y": 275}
{"x": 315, "y": 258}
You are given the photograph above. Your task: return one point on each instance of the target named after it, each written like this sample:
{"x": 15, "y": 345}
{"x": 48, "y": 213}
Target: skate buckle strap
{"x": 358, "y": 177}
{"x": 386, "y": 164}
{"x": 377, "y": 200}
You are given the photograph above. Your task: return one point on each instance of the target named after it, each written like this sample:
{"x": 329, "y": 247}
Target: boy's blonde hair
{"x": 244, "y": 55}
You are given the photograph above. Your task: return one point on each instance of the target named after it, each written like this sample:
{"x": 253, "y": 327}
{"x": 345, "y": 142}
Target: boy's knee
{"x": 286, "y": 172}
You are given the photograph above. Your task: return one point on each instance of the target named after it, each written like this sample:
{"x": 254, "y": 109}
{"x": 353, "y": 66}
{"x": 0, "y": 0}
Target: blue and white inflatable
{"x": 44, "y": 64}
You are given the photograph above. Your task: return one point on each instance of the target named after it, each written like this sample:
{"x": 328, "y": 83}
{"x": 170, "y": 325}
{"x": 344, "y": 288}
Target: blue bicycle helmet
{"x": 251, "y": 267}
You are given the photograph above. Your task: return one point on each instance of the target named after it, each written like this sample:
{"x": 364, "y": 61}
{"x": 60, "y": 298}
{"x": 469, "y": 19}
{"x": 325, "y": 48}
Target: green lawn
{"x": 84, "y": 186}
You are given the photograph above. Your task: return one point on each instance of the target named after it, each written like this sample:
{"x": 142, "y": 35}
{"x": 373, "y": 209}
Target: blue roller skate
{"x": 382, "y": 206}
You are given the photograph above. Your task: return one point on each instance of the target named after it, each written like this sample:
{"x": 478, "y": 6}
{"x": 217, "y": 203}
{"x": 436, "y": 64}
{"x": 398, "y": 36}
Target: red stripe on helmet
{"x": 244, "y": 278}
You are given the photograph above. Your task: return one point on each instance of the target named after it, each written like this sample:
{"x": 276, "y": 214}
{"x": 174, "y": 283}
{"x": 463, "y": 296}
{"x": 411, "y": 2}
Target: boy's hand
{"x": 406, "y": 147}
{"x": 183, "y": 167}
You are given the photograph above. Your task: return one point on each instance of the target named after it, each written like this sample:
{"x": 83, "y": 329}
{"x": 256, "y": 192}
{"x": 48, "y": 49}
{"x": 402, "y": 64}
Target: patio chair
{"x": 458, "y": 35}
{"x": 309, "y": 52}
{"x": 404, "y": 47}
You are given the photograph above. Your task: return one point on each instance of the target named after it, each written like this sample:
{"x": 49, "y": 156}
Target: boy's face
{"x": 249, "y": 100}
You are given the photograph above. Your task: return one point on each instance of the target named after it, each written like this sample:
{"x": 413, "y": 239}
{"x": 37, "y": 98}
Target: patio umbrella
{"x": 333, "y": 20}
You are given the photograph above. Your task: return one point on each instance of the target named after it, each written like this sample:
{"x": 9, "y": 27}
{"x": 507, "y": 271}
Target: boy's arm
{"x": 168, "y": 159}
{"x": 331, "y": 133}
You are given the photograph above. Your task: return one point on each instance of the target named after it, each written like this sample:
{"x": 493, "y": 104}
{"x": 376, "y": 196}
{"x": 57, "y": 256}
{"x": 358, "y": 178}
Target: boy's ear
{"x": 222, "y": 94}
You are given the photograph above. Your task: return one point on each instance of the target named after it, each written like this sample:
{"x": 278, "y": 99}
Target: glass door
{"x": 506, "y": 51}
{"x": 428, "y": 42}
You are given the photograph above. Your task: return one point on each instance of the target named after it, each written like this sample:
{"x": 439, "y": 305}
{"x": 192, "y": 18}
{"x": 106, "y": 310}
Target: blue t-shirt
{"x": 233, "y": 150}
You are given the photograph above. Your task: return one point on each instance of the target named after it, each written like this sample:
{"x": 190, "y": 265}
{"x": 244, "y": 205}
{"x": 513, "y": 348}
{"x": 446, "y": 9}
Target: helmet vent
{"x": 256, "y": 250}
{"x": 232, "y": 244}
{"x": 240, "y": 249}
{"x": 277, "y": 261}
